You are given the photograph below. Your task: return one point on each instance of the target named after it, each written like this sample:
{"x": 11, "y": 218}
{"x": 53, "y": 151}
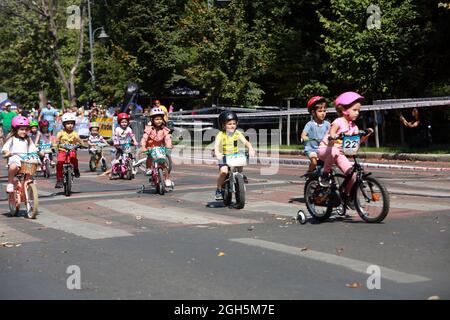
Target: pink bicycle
{"x": 25, "y": 190}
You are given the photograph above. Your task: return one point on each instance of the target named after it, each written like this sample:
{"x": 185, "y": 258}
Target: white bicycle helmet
{"x": 157, "y": 112}
{"x": 68, "y": 117}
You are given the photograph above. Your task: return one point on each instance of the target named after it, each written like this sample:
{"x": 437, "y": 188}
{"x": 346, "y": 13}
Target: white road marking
{"x": 77, "y": 227}
{"x": 171, "y": 214}
{"x": 10, "y": 234}
{"x": 352, "y": 264}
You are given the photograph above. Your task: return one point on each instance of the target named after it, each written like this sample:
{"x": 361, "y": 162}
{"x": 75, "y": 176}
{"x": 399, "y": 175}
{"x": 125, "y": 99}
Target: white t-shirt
{"x": 19, "y": 146}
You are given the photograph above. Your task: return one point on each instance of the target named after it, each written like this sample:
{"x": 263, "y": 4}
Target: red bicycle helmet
{"x": 43, "y": 123}
{"x": 313, "y": 101}
{"x": 122, "y": 116}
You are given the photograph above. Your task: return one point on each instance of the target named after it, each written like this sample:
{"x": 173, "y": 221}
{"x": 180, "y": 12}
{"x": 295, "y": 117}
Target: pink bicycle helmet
{"x": 347, "y": 98}
{"x": 20, "y": 121}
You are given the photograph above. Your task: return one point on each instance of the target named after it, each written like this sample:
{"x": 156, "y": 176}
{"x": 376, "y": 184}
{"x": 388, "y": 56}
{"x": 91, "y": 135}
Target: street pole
{"x": 91, "y": 45}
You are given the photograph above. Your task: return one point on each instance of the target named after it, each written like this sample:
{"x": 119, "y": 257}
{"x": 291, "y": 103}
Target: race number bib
{"x": 236, "y": 160}
{"x": 350, "y": 145}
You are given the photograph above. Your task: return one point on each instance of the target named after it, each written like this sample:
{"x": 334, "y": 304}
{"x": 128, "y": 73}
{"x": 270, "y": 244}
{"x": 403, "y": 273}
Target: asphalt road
{"x": 132, "y": 245}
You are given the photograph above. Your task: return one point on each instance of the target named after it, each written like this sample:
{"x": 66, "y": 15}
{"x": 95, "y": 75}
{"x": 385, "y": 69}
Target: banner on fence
{"x": 106, "y": 127}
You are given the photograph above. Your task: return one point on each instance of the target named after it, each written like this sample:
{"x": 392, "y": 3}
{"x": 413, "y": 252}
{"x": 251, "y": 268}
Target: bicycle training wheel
{"x": 371, "y": 200}
{"x": 32, "y": 201}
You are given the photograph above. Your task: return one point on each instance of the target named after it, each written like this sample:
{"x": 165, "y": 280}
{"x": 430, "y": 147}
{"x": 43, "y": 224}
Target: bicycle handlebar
{"x": 360, "y": 133}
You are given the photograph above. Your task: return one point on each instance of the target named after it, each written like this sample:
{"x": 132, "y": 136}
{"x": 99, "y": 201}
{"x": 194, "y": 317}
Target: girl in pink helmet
{"x": 17, "y": 144}
{"x": 348, "y": 106}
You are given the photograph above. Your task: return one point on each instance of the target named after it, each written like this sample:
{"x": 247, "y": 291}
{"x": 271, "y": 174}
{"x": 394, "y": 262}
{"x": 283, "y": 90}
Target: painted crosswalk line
{"x": 174, "y": 215}
{"x": 348, "y": 263}
{"x": 77, "y": 227}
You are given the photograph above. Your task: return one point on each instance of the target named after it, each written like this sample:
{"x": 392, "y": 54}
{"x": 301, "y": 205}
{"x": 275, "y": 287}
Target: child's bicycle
{"x": 234, "y": 181}
{"x": 25, "y": 190}
{"x": 96, "y": 157}
{"x": 368, "y": 195}
{"x": 68, "y": 173}
{"x": 159, "y": 170}
{"x": 123, "y": 166}
{"x": 46, "y": 163}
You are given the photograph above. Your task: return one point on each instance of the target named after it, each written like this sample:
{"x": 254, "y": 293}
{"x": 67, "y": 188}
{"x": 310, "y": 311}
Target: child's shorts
{"x": 311, "y": 154}
{"x": 15, "y": 159}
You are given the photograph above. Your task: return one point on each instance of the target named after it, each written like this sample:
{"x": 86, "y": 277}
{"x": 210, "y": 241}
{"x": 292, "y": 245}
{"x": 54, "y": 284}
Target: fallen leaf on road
{"x": 354, "y": 285}
{"x": 281, "y": 218}
{"x": 304, "y": 249}
{"x": 108, "y": 222}
{"x": 7, "y": 244}
{"x": 339, "y": 250}
{"x": 89, "y": 208}
{"x": 138, "y": 217}
{"x": 434, "y": 298}
{"x": 381, "y": 243}
{"x": 221, "y": 254}
{"x": 179, "y": 201}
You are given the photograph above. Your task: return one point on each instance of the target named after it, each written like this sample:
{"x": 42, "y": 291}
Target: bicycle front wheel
{"x": 371, "y": 200}
{"x": 239, "y": 187}
{"x": 14, "y": 204}
{"x": 32, "y": 201}
{"x": 68, "y": 182}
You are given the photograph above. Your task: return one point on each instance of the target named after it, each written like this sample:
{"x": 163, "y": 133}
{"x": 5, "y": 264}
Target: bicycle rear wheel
{"x": 313, "y": 197}
{"x": 14, "y": 204}
{"x": 48, "y": 170}
{"x": 32, "y": 201}
{"x": 371, "y": 200}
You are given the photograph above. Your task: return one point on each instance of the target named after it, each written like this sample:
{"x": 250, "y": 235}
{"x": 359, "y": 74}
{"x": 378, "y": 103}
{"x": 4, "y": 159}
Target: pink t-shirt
{"x": 348, "y": 128}
{"x": 156, "y": 138}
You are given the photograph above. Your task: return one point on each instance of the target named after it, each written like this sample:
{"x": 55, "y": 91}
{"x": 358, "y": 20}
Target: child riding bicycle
{"x": 348, "y": 106}
{"x": 315, "y": 129}
{"x": 67, "y": 136}
{"x": 226, "y": 143}
{"x": 123, "y": 135}
{"x": 45, "y": 140}
{"x": 17, "y": 144}
{"x": 156, "y": 135}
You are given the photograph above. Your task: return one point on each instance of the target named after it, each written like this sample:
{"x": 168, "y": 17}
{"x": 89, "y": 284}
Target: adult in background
{"x": 50, "y": 114}
{"x": 6, "y": 117}
{"x": 418, "y": 128}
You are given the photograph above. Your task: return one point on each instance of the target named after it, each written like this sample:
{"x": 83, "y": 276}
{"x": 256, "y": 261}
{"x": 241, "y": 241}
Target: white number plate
{"x": 350, "y": 145}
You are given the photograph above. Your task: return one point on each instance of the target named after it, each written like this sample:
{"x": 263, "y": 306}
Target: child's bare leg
{"x": 12, "y": 171}
{"x": 313, "y": 161}
{"x": 222, "y": 176}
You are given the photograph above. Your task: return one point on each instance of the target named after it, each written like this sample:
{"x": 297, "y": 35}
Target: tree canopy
{"x": 240, "y": 52}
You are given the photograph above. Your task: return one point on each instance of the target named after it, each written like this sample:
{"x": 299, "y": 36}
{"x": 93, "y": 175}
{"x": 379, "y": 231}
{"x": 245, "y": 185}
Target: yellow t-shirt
{"x": 229, "y": 142}
{"x": 63, "y": 137}
{"x": 166, "y": 114}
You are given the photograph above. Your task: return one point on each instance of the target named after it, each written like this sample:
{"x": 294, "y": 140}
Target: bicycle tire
{"x": 68, "y": 183}
{"x": 385, "y": 198}
{"x": 311, "y": 206}
{"x": 226, "y": 194}
{"x": 32, "y": 193}
{"x": 161, "y": 182}
{"x": 239, "y": 194}
{"x": 92, "y": 165}
{"x": 13, "y": 203}
{"x": 48, "y": 170}
{"x": 104, "y": 166}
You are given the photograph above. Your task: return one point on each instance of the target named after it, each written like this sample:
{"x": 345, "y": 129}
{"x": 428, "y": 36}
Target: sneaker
{"x": 324, "y": 180}
{"x": 168, "y": 183}
{"x": 76, "y": 173}
{"x": 59, "y": 184}
{"x": 218, "y": 195}
{"x": 9, "y": 187}
{"x": 148, "y": 172}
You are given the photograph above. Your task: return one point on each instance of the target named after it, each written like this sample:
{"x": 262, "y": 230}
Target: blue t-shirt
{"x": 315, "y": 132}
{"x": 49, "y": 114}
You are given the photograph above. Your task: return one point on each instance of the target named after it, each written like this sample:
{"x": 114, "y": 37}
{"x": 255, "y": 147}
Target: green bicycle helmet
{"x": 34, "y": 123}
